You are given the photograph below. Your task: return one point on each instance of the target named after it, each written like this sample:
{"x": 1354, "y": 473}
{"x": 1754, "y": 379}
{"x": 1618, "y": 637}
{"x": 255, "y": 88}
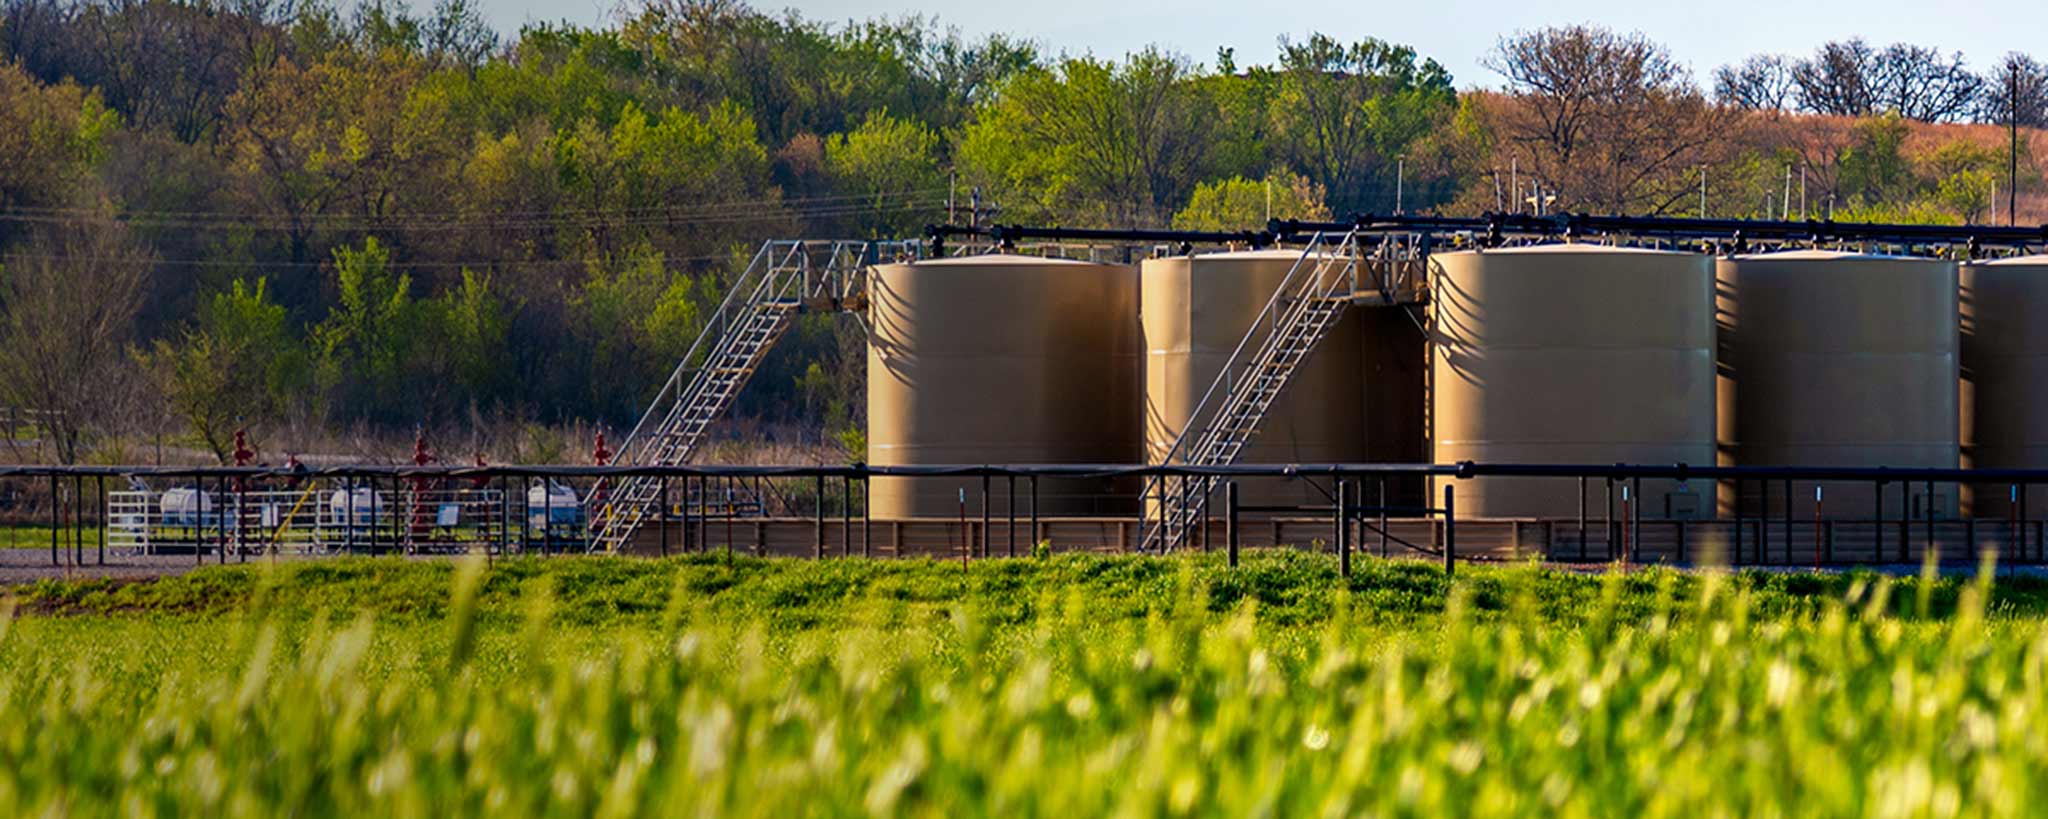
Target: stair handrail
{"x": 709, "y": 335}
{"x": 1282, "y": 298}
{"x": 1291, "y": 297}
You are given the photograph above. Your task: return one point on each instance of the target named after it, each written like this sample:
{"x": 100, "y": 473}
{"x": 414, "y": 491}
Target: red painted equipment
{"x": 422, "y": 518}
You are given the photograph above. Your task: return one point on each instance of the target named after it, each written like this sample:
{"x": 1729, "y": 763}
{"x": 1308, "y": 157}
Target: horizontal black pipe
{"x": 1457, "y": 470}
{"x": 1574, "y": 224}
{"x": 1011, "y": 233}
{"x": 724, "y": 471}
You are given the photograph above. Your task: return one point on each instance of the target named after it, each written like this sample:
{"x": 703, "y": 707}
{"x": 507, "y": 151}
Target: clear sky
{"x": 1704, "y": 34}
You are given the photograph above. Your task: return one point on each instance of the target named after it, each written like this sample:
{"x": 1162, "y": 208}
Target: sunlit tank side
{"x": 1573, "y": 354}
{"x": 2005, "y": 375}
{"x": 1196, "y": 311}
{"x": 1841, "y": 360}
{"x": 1003, "y": 359}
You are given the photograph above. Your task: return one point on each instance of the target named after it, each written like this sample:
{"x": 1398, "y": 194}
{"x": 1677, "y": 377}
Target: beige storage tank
{"x": 1573, "y": 354}
{"x": 2005, "y": 375}
{"x": 1003, "y": 359}
{"x": 1840, "y": 359}
{"x": 1196, "y": 311}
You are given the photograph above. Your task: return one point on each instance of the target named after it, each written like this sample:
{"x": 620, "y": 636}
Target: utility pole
{"x": 1703, "y": 191}
{"x": 1400, "y": 173}
{"x": 2012, "y": 118}
{"x": 1785, "y": 204}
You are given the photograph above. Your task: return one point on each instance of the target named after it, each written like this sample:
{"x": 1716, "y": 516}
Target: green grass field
{"x": 27, "y": 536}
{"x": 1074, "y": 686}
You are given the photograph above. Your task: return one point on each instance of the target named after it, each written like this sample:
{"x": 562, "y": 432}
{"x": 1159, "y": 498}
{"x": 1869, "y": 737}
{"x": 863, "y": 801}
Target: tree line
{"x": 226, "y": 213}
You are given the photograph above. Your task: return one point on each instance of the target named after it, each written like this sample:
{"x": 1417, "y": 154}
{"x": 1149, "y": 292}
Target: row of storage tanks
{"x": 1566, "y": 353}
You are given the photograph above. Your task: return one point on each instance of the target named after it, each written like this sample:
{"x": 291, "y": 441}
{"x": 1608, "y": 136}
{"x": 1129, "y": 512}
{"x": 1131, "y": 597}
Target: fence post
{"x": 1343, "y": 522}
{"x": 1927, "y": 498}
{"x": 2023, "y": 492}
{"x": 56, "y": 520}
{"x": 1450, "y": 530}
{"x": 1582, "y": 519}
{"x": 1230, "y": 534}
{"x": 1383, "y": 517}
{"x": 1034, "y": 512}
{"x": 688, "y": 524}
{"x": 102, "y": 481}
{"x": 1905, "y": 520}
{"x": 1608, "y": 521}
{"x": 818, "y": 548}
{"x": 1740, "y": 508}
{"x": 1635, "y": 519}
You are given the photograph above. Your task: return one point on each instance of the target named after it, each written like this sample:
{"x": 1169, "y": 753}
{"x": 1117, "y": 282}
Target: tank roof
{"x": 1832, "y": 256}
{"x": 2038, "y": 259}
{"x": 1243, "y": 255}
{"x": 1004, "y": 259}
{"x": 1563, "y": 248}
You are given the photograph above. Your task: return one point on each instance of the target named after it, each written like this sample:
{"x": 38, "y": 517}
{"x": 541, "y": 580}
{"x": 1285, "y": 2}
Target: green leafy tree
{"x": 235, "y": 365}
{"x": 371, "y": 347}
{"x": 1964, "y": 175}
{"x": 1346, "y": 114}
{"x": 1093, "y": 141}
{"x": 611, "y": 313}
{"x": 51, "y": 137}
{"x": 892, "y": 166}
{"x": 349, "y": 135}
{"x": 1243, "y": 204}
{"x": 1875, "y": 170}
{"x": 477, "y": 328}
{"x": 633, "y": 183}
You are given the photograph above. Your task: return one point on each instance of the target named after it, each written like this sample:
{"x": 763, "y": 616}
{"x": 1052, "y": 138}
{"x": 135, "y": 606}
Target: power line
{"x": 771, "y": 200}
{"x": 719, "y": 213}
{"x": 478, "y": 264}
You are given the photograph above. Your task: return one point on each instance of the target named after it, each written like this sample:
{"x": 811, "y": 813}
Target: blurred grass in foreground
{"x": 1077, "y": 686}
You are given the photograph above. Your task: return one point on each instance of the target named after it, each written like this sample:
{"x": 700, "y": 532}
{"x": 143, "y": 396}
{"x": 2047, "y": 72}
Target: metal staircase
{"x": 1310, "y": 300}
{"x": 785, "y": 278}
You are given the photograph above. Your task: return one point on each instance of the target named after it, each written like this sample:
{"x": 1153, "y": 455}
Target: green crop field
{"x": 1073, "y": 686}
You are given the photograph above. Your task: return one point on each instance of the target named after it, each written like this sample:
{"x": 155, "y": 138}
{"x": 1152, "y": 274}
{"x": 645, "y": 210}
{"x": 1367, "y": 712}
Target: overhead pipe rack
{"x": 1008, "y": 235}
{"x": 1494, "y": 228}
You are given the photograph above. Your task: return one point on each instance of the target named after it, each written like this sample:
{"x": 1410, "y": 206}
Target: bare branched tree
{"x": 1852, "y": 78}
{"x": 458, "y": 35}
{"x": 1919, "y": 83}
{"x": 1761, "y": 83}
{"x": 68, "y": 300}
{"x": 1610, "y": 121}
{"x": 1840, "y": 79}
{"x": 2016, "y": 92}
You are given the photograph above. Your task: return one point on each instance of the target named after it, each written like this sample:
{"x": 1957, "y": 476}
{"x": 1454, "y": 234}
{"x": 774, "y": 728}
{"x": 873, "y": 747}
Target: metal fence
{"x": 1767, "y": 516}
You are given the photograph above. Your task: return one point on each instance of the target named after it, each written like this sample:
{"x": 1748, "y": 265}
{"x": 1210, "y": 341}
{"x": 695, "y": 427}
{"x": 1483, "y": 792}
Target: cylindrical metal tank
{"x": 1197, "y": 309}
{"x": 1840, "y": 359}
{"x": 2005, "y": 375}
{"x": 1002, "y": 359}
{"x": 1573, "y": 354}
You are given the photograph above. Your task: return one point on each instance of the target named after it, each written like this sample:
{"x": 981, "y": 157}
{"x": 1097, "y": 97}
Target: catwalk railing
{"x": 1757, "y": 518}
